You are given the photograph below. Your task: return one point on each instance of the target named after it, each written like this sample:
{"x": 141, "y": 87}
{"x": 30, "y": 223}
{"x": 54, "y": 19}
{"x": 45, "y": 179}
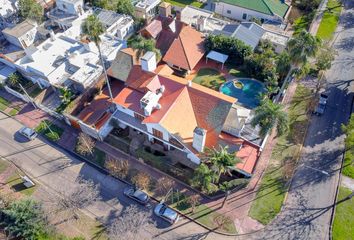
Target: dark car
{"x": 137, "y": 195}
{"x": 321, "y": 105}
{"x": 166, "y": 213}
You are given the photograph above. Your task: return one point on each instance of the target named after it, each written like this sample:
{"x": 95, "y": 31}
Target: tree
{"x": 236, "y": 49}
{"x": 324, "y": 58}
{"x": 25, "y": 219}
{"x": 194, "y": 200}
{"x": 283, "y": 64}
{"x": 308, "y": 5}
{"x": 269, "y": 115}
{"x": 81, "y": 195}
{"x": 93, "y": 28}
{"x": 117, "y": 167}
{"x": 131, "y": 225}
{"x": 164, "y": 185}
{"x": 85, "y": 144}
{"x": 261, "y": 65}
{"x": 66, "y": 95}
{"x": 302, "y": 46}
{"x": 203, "y": 178}
{"x": 143, "y": 45}
{"x": 14, "y": 79}
{"x": 141, "y": 180}
{"x": 272, "y": 86}
{"x": 30, "y": 9}
{"x": 125, "y": 7}
{"x": 221, "y": 161}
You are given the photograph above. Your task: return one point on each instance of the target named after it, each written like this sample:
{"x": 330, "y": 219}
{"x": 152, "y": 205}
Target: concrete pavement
{"x": 307, "y": 211}
{"x": 56, "y": 171}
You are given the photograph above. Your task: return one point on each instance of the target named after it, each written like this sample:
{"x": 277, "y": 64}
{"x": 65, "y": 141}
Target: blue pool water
{"x": 248, "y": 96}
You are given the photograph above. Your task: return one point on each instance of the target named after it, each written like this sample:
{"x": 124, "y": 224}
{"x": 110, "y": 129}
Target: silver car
{"x": 29, "y": 133}
{"x": 137, "y": 195}
{"x": 166, "y": 213}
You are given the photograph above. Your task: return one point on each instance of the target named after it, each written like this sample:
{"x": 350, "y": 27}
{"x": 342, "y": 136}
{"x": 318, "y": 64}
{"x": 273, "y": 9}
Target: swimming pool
{"x": 247, "y": 93}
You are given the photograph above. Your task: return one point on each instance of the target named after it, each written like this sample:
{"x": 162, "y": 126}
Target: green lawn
{"x": 348, "y": 165}
{"x": 3, "y": 104}
{"x": 182, "y": 3}
{"x": 343, "y": 225}
{"x": 210, "y": 78}
{"x": 238, "y": 73}
{"x": 53, "y": 133}
{"x": 330, "y": 20}
{"x": 98, "y": 157}
{"x": 15, "y": 182}
{"x": 271, "y": 193}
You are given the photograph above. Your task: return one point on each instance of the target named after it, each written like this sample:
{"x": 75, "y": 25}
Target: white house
{"x": 244, "y": 10}
{"x": 8, "y": 11}
{"x": 22, "y": 35}
{"x": 66, "y": 12}
{"x": 146, "y": 9}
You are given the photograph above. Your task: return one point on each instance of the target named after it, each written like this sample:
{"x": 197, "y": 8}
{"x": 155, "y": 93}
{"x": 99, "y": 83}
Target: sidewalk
{"x": 318, "y": 18}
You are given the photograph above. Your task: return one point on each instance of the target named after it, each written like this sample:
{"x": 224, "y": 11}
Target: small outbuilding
{"x": 216, "y": 56}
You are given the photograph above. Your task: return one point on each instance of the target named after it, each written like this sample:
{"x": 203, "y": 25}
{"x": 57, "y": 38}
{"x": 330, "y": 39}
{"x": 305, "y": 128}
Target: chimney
{"x": 201, "y": 21}
{"x": 189, "y": 83}
{"x": 199, "y": 136}
{"x": 52, "y": 35}
{"x": 148, "y": 62}
{"x": 165, "y": 9}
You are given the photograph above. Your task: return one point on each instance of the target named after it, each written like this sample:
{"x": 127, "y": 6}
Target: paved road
{"x": 56, "y": 171}
{"x": 307, "y": 212}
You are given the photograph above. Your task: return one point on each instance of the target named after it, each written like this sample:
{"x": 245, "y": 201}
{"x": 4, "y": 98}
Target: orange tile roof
{"x": 187, "y": 49}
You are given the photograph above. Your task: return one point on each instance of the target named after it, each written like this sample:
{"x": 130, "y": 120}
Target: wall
{"x": 237, "y": 12}
{"x": 125, "y": 110}
{"x": 28, "y": 38}
{"x": 69, "y": 7}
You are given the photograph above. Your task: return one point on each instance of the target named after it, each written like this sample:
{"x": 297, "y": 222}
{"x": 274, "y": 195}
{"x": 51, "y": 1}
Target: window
{"x": 157, "y": 133}
{"x": 139, "y": 117}
{"x": 228, "y": 11}
{"x": 244, "y": 16}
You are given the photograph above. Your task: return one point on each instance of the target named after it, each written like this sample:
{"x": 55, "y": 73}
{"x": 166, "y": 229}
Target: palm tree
{"x": 13, "y": 79}
{"x": 283, "y": 64}
{"x": 269, "y": 115}
{"x": 66, "y": 95}
{"x": 221, "y": 161}
{"x": 303, "y": 46}
{"x": 203, "y": 178}
{"x": 93, "y": 28}
{"x": 271, "y": 86}
{"x": 143, "y": 45}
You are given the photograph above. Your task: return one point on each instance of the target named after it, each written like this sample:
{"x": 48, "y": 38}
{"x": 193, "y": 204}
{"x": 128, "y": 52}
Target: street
{"x": 308, "y": 208}
{"x": 56, "y": 171}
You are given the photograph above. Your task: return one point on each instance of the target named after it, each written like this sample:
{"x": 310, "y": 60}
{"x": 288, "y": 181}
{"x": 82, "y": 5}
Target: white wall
{"x": 70, "y": 7}
{"x": 150, "y": 126}
{"x": 125, "y": 110}
{"x": 237, "y": 12}
{"x": 23, "y": 41}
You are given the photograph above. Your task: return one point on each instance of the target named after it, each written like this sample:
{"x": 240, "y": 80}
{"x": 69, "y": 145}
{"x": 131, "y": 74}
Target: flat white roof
{"x": 219, "y": 57}
{"x": 8, "y": 7}
{"x": 276, "y": 38}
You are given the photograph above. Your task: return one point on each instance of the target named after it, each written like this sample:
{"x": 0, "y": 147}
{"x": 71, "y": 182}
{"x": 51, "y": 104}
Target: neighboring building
{"x": 118, "y": 25}
{"x": 248, "y": 32}
{"x": 65, "y": 12}
{"x": 244, "y": 10}
{"x": 8, "y": 12}
{"x": 146, "y": 9}
{"x": 22, "y": 35}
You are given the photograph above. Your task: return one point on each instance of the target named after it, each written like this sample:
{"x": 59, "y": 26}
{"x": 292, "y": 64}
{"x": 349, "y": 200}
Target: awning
{"x": 216, "y": 56}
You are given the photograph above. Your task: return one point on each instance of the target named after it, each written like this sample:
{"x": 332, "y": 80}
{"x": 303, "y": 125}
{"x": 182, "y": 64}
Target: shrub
{"x": 141, "y": 180}
{"x": 117, "y": 167}
{"x": 234, "y": 184}
{"x": 85, "y": 144}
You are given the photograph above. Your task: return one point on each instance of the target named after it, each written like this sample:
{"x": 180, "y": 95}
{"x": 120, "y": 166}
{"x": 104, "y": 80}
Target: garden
{"x": 49, "y": 130}
{"x": 210, "y": 78}
{"x": 183, "y": 3}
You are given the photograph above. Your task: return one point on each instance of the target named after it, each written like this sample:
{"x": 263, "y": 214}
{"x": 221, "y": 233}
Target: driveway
{"x": 56, "y": 171}
{"x": 307, "y": 211}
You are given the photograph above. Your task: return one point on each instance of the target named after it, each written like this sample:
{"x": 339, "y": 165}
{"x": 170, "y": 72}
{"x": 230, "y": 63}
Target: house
{"x": 8, "y": 12}
{"x": 65, "y": 12}
{"x": 248, "y": 32}
{"x": 174, "y": 114}
{"x": 146, "y": 9}
{"x": 245, "y": 10}
{"x": 181, "y": 45}
{"x": 21, "y": 35}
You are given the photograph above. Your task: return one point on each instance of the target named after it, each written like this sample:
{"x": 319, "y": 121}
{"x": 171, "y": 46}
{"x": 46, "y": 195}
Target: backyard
{"x": 182, "y": 3}
{"x": 273, "y": 187}
{"x": 330, "y": 20}
{"x": 210, "y": 78}
{"x": 343, "y": 220}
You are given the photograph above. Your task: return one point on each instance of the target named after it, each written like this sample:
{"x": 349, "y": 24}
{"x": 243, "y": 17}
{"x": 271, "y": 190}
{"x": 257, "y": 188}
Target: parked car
{"x": 321, "y": 106}
{"x": 28, "y": 133}
{"x": 166, "y": 213}
{"x": 137, "y": 195}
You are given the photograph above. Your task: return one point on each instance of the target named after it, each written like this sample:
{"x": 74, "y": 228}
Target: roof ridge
{"x": 184, "y": 51}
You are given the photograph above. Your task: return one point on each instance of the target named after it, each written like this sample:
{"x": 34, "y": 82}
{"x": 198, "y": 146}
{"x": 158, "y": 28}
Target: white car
{"x": 29, "y": 133}
{"x": 166, "y": 213}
